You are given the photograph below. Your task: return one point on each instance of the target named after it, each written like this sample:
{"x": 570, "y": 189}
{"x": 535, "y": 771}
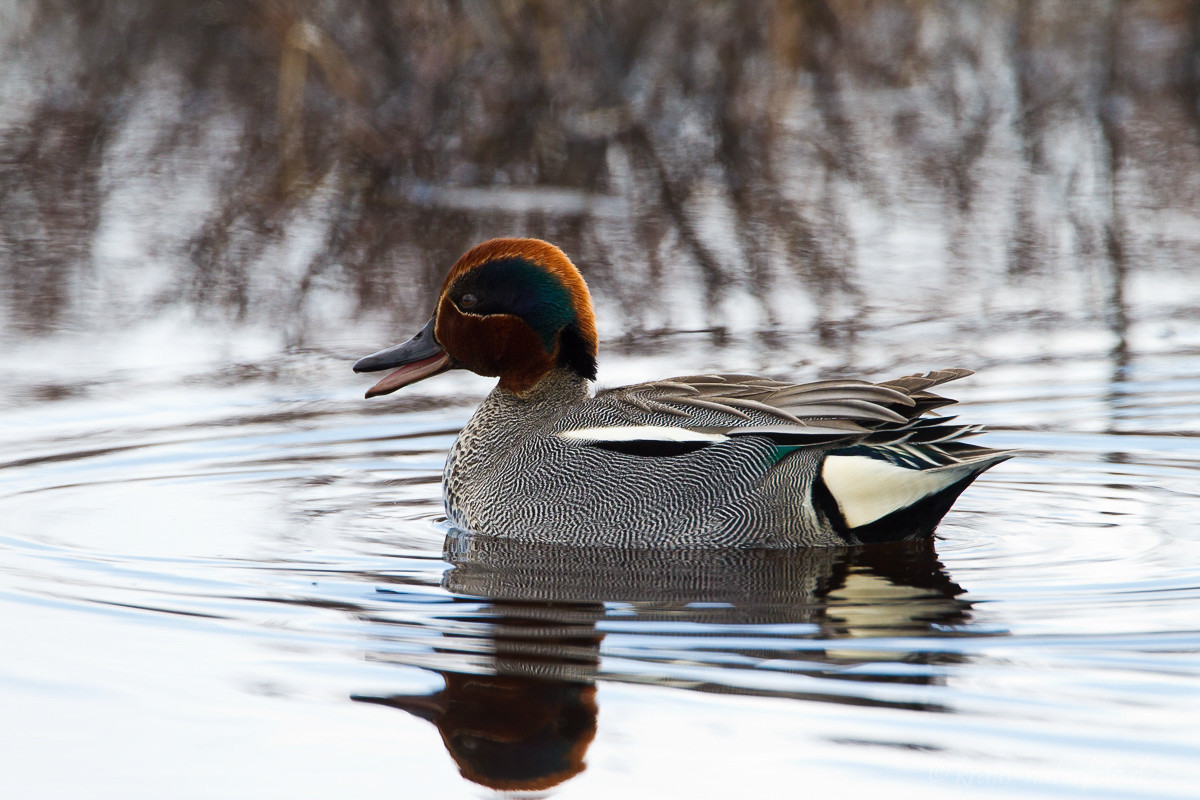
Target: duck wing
{"x": 679, "y": 415}
{"x": 722, "y": 405}
{"x": 884, "y": 466}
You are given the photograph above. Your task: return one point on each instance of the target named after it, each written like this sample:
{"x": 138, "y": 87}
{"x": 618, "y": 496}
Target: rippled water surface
{"x": 223, "y": 573}
{"x": 237, "y": 583}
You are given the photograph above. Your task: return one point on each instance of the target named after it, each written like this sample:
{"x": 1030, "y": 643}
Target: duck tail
{"x": 874, "y": 493}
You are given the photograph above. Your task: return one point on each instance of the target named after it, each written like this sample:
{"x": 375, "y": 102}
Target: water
{"x": 223, "y": 573}
{"x": 237, "y": 583}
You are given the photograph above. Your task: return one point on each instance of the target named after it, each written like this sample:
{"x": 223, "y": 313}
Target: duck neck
{"x": 558, "y": 388}
{"x": 506, "y": 416}
{"x": 503, "y": 420}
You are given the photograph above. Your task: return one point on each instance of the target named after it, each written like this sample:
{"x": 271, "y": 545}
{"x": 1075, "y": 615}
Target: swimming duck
{"x": 699, "y": 461}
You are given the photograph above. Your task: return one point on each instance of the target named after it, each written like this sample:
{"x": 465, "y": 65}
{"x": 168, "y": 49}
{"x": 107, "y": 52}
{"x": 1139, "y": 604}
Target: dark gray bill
{"x": 418, "y": 358}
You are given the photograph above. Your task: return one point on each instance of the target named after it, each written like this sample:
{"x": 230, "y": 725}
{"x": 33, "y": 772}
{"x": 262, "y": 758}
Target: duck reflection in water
{"x": 527, "y": 725}
{"x": 520, "y": 652}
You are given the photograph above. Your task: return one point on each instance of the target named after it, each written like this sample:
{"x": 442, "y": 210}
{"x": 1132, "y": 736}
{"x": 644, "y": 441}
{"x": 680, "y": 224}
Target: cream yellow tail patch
{"x": 867, "y": 489}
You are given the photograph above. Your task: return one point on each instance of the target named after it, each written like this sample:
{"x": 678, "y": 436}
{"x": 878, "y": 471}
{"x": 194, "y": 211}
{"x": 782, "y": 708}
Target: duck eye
{"x": 467, "y": 300}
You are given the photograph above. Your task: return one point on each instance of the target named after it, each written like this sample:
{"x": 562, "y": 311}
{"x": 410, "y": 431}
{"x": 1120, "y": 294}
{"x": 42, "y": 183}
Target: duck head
{"x": 516, "y": 309}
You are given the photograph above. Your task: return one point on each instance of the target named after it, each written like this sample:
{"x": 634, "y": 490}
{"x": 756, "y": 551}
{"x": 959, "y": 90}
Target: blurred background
{"x": 311, "y": 169}
{"x": 212, "y": 544}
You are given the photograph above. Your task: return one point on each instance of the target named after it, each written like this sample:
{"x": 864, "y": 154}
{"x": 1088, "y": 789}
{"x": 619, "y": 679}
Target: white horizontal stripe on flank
{"x": 867, "y": 489}
{"x": 641, "y": 433}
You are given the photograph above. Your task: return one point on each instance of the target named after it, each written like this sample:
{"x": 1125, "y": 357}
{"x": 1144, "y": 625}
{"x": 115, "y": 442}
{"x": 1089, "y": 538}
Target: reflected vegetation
{"x": 298, "y": 163}
{"x": 519, "y": 706}
{"x": 207, "y": 208}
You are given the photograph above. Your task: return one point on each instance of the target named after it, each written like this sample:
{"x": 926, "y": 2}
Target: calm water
{"x": 224, "y": 574}
{"x": 235, "y": 582}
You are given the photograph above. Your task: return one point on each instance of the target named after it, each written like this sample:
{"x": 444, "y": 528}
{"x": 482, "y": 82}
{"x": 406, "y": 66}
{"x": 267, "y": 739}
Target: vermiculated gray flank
{"x": 757, "y": 484}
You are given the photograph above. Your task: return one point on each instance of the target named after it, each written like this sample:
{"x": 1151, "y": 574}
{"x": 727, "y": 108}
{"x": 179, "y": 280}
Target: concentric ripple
{"x": 1046, "y": 642}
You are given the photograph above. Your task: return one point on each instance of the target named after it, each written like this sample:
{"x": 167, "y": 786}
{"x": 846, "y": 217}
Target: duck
{"x": 692, "y": 462}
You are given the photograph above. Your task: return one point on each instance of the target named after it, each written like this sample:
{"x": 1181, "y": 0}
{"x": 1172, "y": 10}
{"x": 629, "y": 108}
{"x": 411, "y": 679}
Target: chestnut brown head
{"x": 511, "y": 308}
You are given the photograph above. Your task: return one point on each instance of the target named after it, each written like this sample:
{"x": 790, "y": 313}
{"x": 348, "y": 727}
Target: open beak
{"x": 418, "y": 358}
